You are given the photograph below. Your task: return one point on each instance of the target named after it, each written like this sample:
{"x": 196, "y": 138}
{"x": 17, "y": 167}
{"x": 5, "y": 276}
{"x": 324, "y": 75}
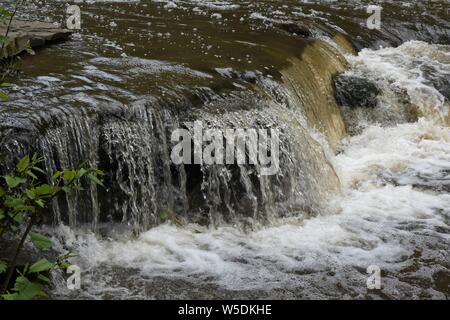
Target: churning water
{"x": 393, "y": 213}
{"x": 341, "y": 203}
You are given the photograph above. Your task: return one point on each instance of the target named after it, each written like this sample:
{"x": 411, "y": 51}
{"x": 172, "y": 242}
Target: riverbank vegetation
{"x": 6, "y": 64}
{"x": 25, "y": 202}
{"x": 26, "y": 195}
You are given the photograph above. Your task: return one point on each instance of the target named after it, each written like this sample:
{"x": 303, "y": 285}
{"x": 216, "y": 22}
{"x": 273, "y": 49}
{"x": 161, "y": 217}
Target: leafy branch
{"x": 24, "y": 199}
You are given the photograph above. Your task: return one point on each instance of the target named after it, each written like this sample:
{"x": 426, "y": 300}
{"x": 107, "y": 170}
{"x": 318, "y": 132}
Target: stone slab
{"x": 36, "y": 33}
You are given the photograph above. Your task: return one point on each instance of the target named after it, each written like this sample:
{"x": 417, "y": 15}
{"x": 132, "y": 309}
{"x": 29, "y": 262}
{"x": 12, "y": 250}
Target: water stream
{"x": 364, "y": 173}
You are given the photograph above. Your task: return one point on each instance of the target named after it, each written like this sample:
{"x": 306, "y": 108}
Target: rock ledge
{"x": 35, "y": 33}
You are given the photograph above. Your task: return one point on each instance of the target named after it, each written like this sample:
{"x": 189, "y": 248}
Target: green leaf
{"x": 95, "y": 180}
{"x": 64, "y": 264}
{"x": 25, "y": 208}
{"x": 21, "y": 283}
{"x": 98, "y": 171}
{"x": 2, "y": 192}
{"x": 30, "y": 194}
{"x": 40, "y": 203}
{"x": 25, "y": 269}
{"x": 38, "y": 169}
{"x": 5, "y": 12}
{"x": 14, "y": 202}
{"x": 56, "y": 175}
{"x": 3, "y": 267}
{"x": 26, "y": 289}
{"x": 43, "y": 278}
{"x": 41, "y": 265}
{"x": 23, "y": 164}
{"x": 41, "y": 242}
{"x": 10, "y": 296}
{"x": 31, "y": 174}
{"x": 3, "y": 96}
{"x": 80, "y": 173}
{"x": 35, "y": 158}
{"x": 43, "y": 190}
{"x": 13, "y": 182}
{"x": 69, "y": 175}
{"x": 18, "y": 217}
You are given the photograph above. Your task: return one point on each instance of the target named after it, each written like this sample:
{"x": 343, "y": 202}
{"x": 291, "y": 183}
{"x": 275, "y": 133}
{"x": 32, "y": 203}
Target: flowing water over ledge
{"x": 378, "y": 195}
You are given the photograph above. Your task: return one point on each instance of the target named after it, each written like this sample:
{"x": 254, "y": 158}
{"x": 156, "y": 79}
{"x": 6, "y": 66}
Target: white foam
{"x": 208, "y": 4}
{"x": 402, "y": 68}
{"x": 408, "y": 152}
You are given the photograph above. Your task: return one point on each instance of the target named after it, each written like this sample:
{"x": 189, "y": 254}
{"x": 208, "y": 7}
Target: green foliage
{"x": 41, "y": 242}
{"x": 32, "y": 281}
{"x": 62, "y": 262}
{"x": 24, "y": 201}
{"x": 3, "y": 267}
{"x": 3, "y": 96}
{"x": 5, "y": 12}
{"x": 41, "y": 265}
{"x": 24, "y": 289}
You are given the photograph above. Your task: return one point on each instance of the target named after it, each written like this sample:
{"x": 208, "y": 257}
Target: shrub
{"x": 24, "y": 202}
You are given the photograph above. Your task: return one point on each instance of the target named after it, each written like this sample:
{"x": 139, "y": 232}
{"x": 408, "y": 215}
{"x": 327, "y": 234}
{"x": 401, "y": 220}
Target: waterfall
{"x": 131, "y": 143}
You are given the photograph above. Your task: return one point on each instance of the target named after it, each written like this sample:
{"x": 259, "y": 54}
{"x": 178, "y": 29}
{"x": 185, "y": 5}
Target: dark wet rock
{"x": 293, "y": 27}
{"x": 34, "y": 33}
{"x": 355, "y": 92}
{"x": 437, "y": 79}
{"x": 441, "y": 280}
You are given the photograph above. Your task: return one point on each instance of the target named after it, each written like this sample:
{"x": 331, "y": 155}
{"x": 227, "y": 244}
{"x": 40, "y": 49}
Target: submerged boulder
{"x": 356, "y": 92}
{"x": 293, "y": 27}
